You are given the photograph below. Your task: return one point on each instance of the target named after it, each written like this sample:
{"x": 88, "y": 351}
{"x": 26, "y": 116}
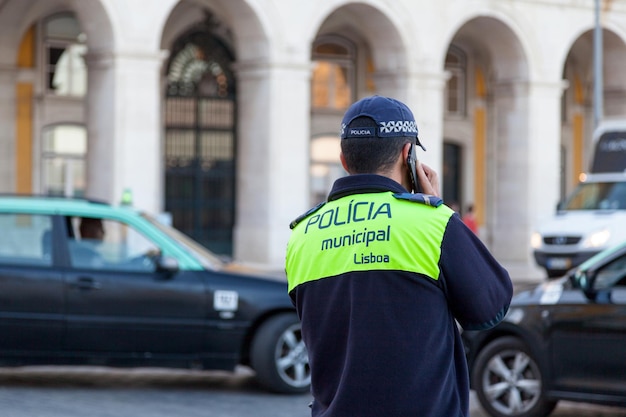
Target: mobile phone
{"x": 412, "y": 163}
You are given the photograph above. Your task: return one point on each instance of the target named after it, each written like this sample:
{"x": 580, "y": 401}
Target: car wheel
{"x": 279, "y": 357}
{"x": 508, "y": 381}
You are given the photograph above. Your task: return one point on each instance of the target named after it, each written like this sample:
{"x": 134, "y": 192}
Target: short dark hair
{"x": 369, "y": 155}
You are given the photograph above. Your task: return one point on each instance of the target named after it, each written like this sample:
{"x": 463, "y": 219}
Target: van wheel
{"x": 279, "y": 357}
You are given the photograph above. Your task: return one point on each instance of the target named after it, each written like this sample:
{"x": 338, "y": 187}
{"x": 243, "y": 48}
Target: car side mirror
{"x": 586, "y": 281}
{"x": 582, "y": 280}
{"x": 579, "y": 279}
{"x": 166, "y": 264}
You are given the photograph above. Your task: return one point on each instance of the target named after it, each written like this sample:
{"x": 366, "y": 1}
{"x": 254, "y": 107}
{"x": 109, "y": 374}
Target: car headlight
{"x": 535, "y": 240}
{"x": 597, "y": 239}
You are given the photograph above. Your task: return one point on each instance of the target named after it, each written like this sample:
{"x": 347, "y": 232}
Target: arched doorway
{"x": 200, "y": 138}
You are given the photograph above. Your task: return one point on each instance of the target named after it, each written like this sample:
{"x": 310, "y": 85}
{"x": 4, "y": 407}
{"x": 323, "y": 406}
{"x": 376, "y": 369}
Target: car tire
{"x": 509, "y": 382}
{"x": 279, "y": 357}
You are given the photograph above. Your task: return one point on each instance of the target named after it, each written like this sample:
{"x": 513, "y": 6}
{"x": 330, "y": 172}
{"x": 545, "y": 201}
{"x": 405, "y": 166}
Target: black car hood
{"x": 545, "y": 293}
{"x": 557, "y": 291}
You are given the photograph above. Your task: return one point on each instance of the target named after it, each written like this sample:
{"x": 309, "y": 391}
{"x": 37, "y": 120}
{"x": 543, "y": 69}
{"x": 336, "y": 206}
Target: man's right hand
{"x": 428, "y": 178}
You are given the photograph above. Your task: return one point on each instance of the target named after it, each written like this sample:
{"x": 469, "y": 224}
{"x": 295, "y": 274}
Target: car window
{"x": 96, "y": 243}
{"x": 207, "y": 258}
{"x": 612, "y": 275}
{"x": 25, "y": 239}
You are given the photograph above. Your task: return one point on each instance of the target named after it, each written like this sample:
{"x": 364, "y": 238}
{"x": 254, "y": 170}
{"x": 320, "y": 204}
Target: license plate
{"x": 559, "y": 263}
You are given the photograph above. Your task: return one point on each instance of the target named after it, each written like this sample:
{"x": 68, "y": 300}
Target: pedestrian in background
{"x": 380, "y": 276}
{"x": 469, "y": 218}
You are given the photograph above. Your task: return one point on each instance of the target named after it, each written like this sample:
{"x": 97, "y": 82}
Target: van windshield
{"x": 608, "y": 195}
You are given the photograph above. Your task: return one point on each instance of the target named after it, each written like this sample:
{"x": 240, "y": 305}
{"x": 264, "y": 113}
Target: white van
{"x": 593, "y": 217}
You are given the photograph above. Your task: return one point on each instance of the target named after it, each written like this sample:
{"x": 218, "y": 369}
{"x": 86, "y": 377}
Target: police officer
{"x": 380, "y": 276}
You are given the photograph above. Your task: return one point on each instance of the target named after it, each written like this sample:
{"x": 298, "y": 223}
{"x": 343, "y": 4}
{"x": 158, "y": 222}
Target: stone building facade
{"x": 225, "y": 113}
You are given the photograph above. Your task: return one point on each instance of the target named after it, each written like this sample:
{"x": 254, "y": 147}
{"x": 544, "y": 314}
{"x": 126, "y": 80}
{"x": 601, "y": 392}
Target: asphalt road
{"x": 105, "y": 392}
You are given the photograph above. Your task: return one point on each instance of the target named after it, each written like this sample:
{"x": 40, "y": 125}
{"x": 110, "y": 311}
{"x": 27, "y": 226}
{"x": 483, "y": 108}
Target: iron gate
{"x": 200, "y": 140}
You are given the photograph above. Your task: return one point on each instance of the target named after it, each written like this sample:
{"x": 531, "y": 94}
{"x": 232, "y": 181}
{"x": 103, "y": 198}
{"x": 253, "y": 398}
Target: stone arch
{"x": 499, "y": 45}
{"x": 19, "y": 15}
{"x": 99, "y": 30}
{"x": 578, "y": 100}
{"x": 494, "y": 143}
{"x": 377, "y": 30}
{"x": 248, "y": 27}
{"x": 228, "y": 35}
{"x": 374, "y": 62}
{"x": 18, "y": 46}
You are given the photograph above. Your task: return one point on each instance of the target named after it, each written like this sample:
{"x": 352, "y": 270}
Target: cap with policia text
{"x": 394, "y": 119}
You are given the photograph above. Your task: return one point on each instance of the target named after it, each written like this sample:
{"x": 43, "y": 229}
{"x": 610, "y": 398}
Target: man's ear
{"x": 405, "y": 152}
{"x": 343, "y": 162}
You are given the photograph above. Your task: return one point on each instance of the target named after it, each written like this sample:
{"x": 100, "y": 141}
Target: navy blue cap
{"x": 394, "y": 119}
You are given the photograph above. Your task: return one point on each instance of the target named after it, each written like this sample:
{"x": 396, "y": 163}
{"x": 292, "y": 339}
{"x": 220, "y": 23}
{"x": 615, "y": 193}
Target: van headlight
{"x": 597, "y": 239}
{"x": 535, "y": 240}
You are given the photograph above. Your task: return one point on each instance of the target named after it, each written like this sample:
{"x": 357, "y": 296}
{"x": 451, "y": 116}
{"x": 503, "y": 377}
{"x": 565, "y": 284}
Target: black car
{"x": 563, "y": 340}
{"x": 83, "y": 282}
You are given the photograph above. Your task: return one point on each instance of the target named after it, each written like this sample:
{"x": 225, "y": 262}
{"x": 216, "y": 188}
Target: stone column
{"x": 615, "y": 101}
{"x": 544, "y": 158}
{"x": 8, "y": 78}
{"x": 424, "y": 96}
{"x": 124, "y": 128}
{"x": 272, "y": 158}
{"x": 524, "y": 170}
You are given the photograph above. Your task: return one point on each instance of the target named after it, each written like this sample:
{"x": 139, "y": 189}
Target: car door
{"x": 121, "y": 304}
{"x": 31, "y": 286}
{"x": 589, "y": 337}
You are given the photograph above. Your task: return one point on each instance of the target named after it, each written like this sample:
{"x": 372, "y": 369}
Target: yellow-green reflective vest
{"x": 360, "y": 232}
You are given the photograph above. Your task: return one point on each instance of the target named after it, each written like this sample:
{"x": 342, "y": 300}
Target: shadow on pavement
{"x": 95, "y": 376}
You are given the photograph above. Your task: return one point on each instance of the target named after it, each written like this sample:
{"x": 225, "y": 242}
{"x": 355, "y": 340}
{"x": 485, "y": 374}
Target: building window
{"x": 333, "y": 73}
{"x": 325, "y": 166}
{"x": 332, "y": 91}
{"x": 64, "y": 49}
{"x": 63, "y": 160}
{"x": 456, "y": 66}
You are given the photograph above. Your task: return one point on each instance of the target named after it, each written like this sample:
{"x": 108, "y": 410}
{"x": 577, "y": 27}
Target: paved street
{"x": 103, "y": 392}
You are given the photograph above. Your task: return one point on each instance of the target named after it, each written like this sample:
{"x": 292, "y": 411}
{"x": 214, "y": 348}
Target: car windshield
{"x": 207, "y": 258}
{"x": 597, "y": 196}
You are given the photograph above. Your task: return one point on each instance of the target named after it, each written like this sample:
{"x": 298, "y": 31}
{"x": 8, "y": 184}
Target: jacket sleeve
{"x": 477, "y": 287}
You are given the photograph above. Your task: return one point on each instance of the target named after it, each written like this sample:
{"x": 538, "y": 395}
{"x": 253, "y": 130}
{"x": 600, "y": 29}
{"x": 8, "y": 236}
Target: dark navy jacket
{"x": 382, "y": 337}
